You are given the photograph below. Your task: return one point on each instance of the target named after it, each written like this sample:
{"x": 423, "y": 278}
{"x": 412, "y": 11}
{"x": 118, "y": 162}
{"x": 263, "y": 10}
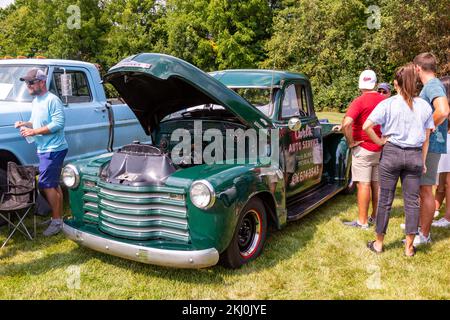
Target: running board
{"x": 299, "y": 207}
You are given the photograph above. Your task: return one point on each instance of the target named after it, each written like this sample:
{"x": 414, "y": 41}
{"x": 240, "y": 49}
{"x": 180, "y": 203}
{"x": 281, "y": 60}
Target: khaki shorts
{"x": 365, "y": 164}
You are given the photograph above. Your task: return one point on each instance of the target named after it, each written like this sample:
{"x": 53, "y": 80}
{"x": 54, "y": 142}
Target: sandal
{"x": 371, "y": 247}
{"x": 413, "y": 253}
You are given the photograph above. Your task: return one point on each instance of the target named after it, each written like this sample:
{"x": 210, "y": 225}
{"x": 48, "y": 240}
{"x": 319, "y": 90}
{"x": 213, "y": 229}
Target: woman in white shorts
{"x": 443, "y": 190}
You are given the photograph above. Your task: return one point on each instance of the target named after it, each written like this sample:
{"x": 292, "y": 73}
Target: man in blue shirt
{"x": 434, "y": 93}
{"x": 46, "y": 126}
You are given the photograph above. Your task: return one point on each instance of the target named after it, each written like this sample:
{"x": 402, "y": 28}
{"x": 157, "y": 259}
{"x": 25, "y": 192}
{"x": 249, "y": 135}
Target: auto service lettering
{"x": 307, "y": 168}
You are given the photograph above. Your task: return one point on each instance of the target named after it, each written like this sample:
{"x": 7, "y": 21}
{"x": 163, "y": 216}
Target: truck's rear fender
{"x": 234, "y": 186}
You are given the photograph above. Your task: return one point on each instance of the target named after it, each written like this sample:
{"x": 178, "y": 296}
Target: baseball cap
{"x": 385, "y": 86}
{"x": 34, "y": 74}
{"x": 367, "y": 80}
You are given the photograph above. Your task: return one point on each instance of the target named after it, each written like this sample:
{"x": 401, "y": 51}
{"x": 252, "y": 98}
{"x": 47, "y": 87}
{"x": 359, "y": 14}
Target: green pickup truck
{"x": 233, "y": 152}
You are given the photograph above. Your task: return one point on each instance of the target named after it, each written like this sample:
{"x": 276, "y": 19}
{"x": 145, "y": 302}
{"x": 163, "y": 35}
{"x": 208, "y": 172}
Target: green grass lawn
{"x": 314, "y": 258}
{"x": 333, "y": 117}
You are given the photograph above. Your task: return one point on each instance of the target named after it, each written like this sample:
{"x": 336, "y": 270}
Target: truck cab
{"x": 94, "y": 125}
{"x": 193, "y": 198}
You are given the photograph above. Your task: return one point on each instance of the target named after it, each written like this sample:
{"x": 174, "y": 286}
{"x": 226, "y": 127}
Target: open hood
{"x": 156, "y": 85}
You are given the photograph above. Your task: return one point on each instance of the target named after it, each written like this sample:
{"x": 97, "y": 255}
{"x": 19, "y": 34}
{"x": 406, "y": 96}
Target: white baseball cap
{"x": 367, "y": 80}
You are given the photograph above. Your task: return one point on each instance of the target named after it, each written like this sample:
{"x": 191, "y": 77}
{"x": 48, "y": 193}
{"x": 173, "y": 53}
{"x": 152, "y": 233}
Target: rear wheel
{"x": 249, "y": 236}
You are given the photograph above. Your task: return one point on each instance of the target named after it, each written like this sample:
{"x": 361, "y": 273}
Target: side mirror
{"x": 294, "y": 124}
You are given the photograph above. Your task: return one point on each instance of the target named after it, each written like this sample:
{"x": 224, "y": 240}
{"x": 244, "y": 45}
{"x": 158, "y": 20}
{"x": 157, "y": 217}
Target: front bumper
{"x": 169, "y": 258}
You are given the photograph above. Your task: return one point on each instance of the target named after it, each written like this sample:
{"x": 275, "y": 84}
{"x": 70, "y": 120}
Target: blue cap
{"x": 385, "y": 86}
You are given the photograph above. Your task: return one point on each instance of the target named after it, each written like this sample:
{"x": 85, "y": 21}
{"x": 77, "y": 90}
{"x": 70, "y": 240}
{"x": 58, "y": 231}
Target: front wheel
{"x": 249, "y": 236}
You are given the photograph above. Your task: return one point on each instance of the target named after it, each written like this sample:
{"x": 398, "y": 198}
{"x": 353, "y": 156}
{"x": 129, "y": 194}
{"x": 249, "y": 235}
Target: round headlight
{"x": 202, "y": 194}
{"x": 70, "y": 176}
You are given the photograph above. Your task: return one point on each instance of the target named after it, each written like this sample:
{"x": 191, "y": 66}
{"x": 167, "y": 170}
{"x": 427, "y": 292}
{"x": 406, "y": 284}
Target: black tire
{"x": 249, "y": 236}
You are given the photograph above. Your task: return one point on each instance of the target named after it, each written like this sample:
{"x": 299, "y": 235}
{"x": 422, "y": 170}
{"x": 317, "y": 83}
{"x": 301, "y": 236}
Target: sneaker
{"x": 356, "y": 224}
{"x": 441, "y": 223}
{"x": 371, "y": 221}
{"x": 420, "y": 239}
{"x": 54, "y": 228}
{"x": 436, "y": 214}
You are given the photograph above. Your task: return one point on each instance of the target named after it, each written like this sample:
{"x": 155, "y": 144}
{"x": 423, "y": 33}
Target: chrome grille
{"x": 90, "y": 200}
{"x": 159, "y": 214}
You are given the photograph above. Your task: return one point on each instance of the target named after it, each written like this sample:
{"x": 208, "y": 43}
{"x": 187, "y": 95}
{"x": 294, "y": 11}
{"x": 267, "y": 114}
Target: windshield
{"x": 259, "y": 97}
{"x": 186, "y": 112}
{"x": 11, "y": 88}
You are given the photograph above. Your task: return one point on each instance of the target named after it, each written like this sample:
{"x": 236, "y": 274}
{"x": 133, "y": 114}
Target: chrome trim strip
{"x": 91, "y": 214}
{"x": 91, "y": 204}
{"x": 162, "y": 257}
{"x": 91, "y": 194}
{"x": 143, "y": 218}
{"x": 134, "y": 194}
{"x": 143, "y": 206}
{"x": 144, "y": 229}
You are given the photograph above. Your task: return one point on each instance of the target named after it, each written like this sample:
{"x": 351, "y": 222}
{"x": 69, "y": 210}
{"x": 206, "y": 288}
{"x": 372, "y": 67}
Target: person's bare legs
{"x": 375, "y": 186}
{"x": 440, "y": 191}
{"x": 363, "y": 197}
{"x": 447, "y": 196}
{"x": 55, "y": 199}
{"x": 409, "y": 249}
{"x": 427, "y": 207}
{"x": 378, "y": 245}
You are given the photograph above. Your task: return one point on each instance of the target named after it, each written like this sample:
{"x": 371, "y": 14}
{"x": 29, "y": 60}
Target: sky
{"x": 5, "y": 3}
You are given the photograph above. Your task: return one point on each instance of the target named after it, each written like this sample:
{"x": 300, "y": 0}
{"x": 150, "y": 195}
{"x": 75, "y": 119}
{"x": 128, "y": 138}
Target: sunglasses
{"x": 31, "y": 82}
{"x": 382, "y": 91}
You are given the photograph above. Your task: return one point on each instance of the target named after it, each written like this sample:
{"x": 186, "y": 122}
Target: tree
{"x": 132, "y": 27}
{"x": 332, "y": 41}
{"x": 411, "y": 27}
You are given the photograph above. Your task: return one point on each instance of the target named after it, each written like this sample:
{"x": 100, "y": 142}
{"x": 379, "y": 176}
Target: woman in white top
{"x": 443, "y": 190}
{"x": 406, "y": 122}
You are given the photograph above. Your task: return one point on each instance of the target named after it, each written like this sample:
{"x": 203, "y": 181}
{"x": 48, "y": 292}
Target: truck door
{"x": 87, "y": 123}
{"x": 301, "y": 138}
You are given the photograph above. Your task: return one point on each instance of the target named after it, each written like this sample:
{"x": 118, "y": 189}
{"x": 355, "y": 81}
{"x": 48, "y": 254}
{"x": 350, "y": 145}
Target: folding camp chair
{"x": 19, "y": 200}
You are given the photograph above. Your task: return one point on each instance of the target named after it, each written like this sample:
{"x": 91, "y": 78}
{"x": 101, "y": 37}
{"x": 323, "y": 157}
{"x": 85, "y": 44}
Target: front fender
{"x": 234, "y": 185}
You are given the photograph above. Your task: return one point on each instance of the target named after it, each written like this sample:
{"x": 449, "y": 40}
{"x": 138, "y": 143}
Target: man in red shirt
{"x": 365, "y": 153}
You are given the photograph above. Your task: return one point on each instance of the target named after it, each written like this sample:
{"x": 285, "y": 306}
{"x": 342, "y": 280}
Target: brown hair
{"x": 446, "y": 82}
{"x": 407, "y": 81}
{"x": 427, "y": 61}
